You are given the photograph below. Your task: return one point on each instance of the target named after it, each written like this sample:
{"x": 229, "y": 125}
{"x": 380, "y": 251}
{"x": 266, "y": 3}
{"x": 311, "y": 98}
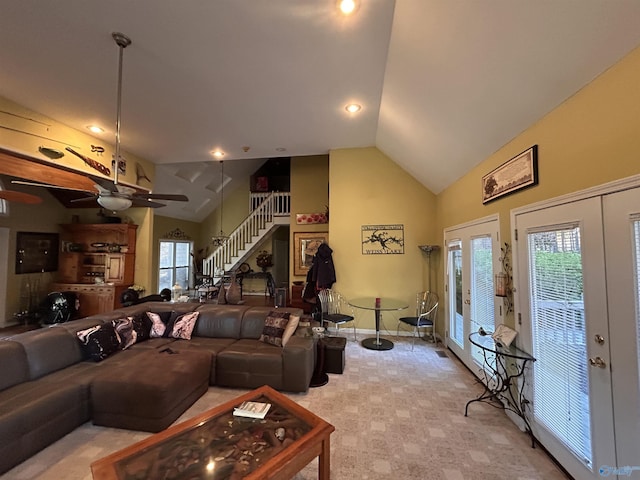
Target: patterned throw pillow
{"x": 100, "y": 341}
{"x": 274, "y": 327}
{"x": 182, "y": 325}
{"x": 290, "y": 329}
{"x": 124, "y": 329}
{"x": 159, "y": 323}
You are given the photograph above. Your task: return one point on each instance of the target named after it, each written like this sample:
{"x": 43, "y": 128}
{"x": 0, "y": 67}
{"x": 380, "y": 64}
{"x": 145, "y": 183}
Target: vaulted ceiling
{"x": 442, "y": 84}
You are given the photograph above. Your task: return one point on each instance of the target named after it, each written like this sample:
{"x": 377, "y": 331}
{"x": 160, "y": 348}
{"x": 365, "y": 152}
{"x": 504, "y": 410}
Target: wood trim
{"x": 27, "y": 169}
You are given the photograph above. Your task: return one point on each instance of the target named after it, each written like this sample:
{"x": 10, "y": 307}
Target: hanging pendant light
{"x": 221, "y": 238}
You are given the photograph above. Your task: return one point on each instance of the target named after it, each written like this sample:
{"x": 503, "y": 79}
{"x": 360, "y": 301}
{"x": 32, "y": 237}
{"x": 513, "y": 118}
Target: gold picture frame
{"x": 305, "y": 246}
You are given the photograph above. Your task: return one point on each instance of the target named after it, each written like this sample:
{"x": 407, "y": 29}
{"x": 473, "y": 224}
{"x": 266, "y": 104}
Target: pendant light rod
{"x": 123, "y": 42}
{"x": 221, "y": 195}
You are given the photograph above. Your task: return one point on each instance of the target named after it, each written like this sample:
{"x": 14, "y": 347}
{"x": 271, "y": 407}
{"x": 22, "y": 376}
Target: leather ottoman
{"x": 334, "y": 354}
{"x": 150, "y": 392}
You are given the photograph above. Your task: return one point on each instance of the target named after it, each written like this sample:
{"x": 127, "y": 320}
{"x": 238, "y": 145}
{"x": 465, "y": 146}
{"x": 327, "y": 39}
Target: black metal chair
{"x": 425, "y": 318}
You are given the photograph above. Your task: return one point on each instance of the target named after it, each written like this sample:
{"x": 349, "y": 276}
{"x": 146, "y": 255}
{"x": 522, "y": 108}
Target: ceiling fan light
{"x": 114, "y": 203}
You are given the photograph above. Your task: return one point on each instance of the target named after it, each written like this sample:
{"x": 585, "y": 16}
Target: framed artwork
{"x": 305, "y": 246}
{"x": 382, "y": 239}
{"x": 36, "y": 252}
{"x": 515, "y": 174}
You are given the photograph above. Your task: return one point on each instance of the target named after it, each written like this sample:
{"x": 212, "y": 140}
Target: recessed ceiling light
{"x": 353, "y": 108}
{"x": 95, "y": 129}
{"x": 217, "y": 153}
{"x": 347, "y": 6}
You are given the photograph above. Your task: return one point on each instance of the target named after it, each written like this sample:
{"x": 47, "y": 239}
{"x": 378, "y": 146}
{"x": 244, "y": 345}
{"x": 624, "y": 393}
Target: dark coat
{"x": 323, "y": 271}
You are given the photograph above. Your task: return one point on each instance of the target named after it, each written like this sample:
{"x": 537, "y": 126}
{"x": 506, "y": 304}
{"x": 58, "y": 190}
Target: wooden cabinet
{"x": 98, "y": 272}
{"x": 99, "y": 259}
{"x": 93, "y": 299}
{"x": 69, "y": 267}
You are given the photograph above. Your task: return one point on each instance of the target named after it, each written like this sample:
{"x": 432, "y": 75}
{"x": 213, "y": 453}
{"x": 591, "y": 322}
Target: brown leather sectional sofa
{"x": 48, "y": 386}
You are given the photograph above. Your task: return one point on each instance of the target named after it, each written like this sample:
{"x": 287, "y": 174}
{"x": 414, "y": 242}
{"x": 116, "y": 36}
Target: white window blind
{"x": 636, "y": 241}
{"x": 560, "y": 380}
{"x": 482, "y": 304}
{"x": 455, "y": 288}
{"x": 175, "y": 264}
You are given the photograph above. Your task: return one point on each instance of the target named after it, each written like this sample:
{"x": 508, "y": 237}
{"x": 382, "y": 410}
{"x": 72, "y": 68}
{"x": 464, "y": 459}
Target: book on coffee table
{"x": 252, "y": 409}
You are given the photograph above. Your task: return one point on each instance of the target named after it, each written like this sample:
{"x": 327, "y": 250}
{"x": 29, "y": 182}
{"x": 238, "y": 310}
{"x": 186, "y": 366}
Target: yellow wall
{"x": 590, "y": 139}
{"x": 309, "y": 194}
{"x": 367, "y": 188}
{"x": 235, "y": 210}
{"x": 44, "y": 217}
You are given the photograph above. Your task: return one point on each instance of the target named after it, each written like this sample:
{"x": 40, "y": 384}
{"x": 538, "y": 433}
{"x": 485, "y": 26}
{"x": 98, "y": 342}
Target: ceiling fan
{"x": 110, "y": 194}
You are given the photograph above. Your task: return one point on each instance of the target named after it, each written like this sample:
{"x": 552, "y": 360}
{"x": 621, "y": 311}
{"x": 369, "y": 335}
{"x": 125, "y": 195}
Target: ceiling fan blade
{"x": 141, "y": 202}
{"x": 105, "y": 183}
{"x": 86, "y": 199}
{"x": 13, "y": 196}
{"x": 161, "y": 196}
{"x": 46, "y": 185}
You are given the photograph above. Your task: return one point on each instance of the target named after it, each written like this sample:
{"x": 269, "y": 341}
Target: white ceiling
{"x": 443, "y": 83}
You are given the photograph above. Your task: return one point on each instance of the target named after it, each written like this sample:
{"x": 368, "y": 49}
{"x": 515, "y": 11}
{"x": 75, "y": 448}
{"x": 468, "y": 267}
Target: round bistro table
{"x": 378, "y": 305}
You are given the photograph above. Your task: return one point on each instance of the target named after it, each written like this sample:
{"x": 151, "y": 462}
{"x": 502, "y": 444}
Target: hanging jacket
{"x": 322, "y": 269}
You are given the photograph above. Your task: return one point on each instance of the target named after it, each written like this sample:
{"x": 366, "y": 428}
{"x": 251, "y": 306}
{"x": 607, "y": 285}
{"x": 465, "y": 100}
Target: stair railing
{"x": 274, "y": 205}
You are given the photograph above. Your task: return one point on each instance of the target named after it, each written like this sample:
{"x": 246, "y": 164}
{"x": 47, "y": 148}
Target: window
{"x": 175, "y": 264}
{"x": 482, "y": 295}
{"x": 561, "y": 393}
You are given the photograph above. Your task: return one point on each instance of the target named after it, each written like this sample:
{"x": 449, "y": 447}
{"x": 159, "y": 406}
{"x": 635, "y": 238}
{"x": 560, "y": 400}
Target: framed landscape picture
{"x": 515, "y": 174}
{"x": 305, "y": 246}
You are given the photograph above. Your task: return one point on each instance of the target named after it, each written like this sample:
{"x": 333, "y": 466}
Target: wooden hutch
{"x": 97, "y": 262}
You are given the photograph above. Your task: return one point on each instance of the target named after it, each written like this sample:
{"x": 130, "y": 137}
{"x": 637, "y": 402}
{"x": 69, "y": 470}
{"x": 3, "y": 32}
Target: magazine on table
{"x": 252, "y": 409}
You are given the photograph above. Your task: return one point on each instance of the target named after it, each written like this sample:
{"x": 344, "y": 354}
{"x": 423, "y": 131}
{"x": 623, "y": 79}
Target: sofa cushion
{"x": 15, "y": 368}
{"x": 250, "y": 364}
{"x": 99, "y": 342}
{"x": 220, "y": 321}
{"x": 49, "y": 349}
{"x": 274, "y": 327}
{"x": 35, "y": 414}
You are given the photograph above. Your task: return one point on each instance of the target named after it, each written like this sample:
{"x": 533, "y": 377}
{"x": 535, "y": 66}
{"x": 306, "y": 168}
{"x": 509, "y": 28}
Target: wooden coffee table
{"x": 218, "y": 445}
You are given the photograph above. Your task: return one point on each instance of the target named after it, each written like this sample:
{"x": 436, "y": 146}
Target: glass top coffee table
{"x": 217, "y": 445}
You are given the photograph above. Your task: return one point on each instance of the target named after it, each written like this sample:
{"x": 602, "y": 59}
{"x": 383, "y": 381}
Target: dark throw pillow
{"x": 182, "y": 325}
{"x": 126, "y": 332}
{"x": 100, "y": 341}
{"x": 274, "y": 327}
{"x": 142, "y": 326}
{"x": 159, "y": 323}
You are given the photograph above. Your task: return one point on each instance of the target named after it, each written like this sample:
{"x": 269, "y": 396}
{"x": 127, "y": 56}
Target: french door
{"x": 577, "y": 303}
{"x": 471, "y": 260}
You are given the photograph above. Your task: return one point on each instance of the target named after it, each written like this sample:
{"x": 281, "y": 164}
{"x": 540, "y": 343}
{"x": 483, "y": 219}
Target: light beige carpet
{"x": 398, "y": 414}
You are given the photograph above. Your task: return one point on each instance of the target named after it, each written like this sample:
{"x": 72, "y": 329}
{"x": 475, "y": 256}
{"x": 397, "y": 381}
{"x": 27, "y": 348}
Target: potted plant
{"x": 264, "y": 260}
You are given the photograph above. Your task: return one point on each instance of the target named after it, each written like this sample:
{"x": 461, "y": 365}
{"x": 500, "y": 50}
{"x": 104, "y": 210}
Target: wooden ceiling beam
{"x": 25, "y": 168}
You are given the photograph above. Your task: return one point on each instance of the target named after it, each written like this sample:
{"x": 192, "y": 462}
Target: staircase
{"x": 274, "y": 210}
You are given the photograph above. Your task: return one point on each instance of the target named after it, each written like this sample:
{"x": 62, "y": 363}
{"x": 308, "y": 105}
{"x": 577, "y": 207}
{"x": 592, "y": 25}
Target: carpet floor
{"x": 397, "y": 413}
